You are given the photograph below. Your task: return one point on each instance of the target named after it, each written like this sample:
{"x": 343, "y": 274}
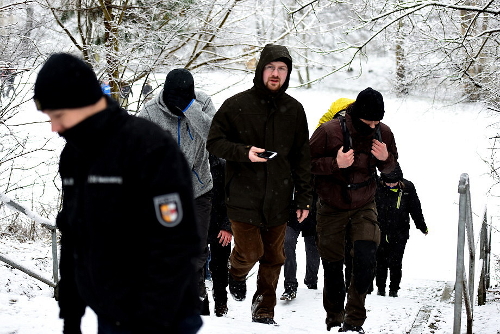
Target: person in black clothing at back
{"x": 219, "y": 237}
{"x": 396, "y": 200}
{"x": 293, "y": 230}
{"x": 129, "y": 234}
{"x": 125, "y": 92}
{"x": 146, "y": 91}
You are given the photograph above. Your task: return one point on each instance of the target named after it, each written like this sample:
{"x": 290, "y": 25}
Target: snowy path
{"x": 27, "y": 306}
{"x": 418, "y": 309}
{"x": 37, "y": 312}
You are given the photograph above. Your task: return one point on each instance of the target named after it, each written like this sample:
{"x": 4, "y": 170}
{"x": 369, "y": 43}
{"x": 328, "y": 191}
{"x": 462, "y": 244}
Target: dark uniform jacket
{"x": 259, "y": 193}
{"x": 353, "y": 187}
{"x": 394, "y": 210}
{"x": 119, "y": 254}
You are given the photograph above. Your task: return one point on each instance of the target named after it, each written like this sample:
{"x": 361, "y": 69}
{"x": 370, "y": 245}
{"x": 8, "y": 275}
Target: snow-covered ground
{"x": 437, "y": 141}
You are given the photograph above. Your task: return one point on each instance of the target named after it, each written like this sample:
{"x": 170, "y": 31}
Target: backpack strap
{"x": 347, "y": 143}
{"x": 345, "y": 133}
{"x": 347, "y": 136}
{"x": 378, "y": 134}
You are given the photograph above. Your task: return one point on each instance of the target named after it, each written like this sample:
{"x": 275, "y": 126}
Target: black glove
{"x": 72, "y": 326}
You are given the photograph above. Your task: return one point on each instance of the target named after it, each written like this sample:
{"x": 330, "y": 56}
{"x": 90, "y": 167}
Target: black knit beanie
{"x": 369, "y": 105}
{"x": 65, "y": 81}
{"x": 395, "y": 176}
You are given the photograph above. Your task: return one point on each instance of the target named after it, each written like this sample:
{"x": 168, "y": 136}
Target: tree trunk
{"x": 111, "y": 48}
{"x": 468, "y": 27}
{"x": 401, "y": 80}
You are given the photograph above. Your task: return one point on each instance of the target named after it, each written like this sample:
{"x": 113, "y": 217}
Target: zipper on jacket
{"x": 197, "y": 176}
{"x": 178, "y": 131}
{"x": 189, "y": 105}
{"x": 189, "y": 132}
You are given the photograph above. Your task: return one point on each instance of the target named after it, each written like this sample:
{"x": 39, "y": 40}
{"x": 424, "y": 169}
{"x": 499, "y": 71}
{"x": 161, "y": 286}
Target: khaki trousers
{"x": 265, "y": 245}
{"x": 333, "y": 226}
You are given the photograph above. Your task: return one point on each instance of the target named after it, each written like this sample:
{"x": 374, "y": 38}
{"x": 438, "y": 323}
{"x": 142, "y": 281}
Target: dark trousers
{"x": 203, "y": 206}
{"x": 219, "y": 271}
{"x": 265, "y": 245}
{"x": 390, "y": 257}
{"x": 312, "y": 259}
{"x": 104, "y": 326}
{"x": 189, "y": 325}
{"x": 334, "y": 290}
{"x": 348, "y": 261}
{"x": 361, "y": 228}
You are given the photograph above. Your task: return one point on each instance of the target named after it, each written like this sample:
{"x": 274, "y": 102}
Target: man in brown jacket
{"x": 345, "y": 183}
{"x": 258, "y": 190}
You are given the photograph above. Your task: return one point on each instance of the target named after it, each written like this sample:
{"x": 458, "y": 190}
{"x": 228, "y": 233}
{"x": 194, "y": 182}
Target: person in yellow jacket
{"x": 337, "y": 106}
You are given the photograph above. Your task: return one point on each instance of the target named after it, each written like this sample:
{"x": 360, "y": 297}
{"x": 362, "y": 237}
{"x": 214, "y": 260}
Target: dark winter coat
{"x": 308, "y": 225}
{"x": 259, "y": 193}
{"x": 394, "y": 210}
{"x": 146, "y": 89}
{"x": 125, "y": 91}
{"x": 118, "y": 256}
{"x": 218, "y": 214}
{"x": 331, "y": 182}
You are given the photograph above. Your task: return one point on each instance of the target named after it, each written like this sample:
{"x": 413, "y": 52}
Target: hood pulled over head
{"x": 270, "y": 53}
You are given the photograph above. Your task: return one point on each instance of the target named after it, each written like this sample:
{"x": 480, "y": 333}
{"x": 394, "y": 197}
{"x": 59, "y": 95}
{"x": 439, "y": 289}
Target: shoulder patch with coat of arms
{"x": 168, "y": 209}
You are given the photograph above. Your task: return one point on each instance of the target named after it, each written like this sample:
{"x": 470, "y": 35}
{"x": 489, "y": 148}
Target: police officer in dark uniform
{"x": 128, "y": 231}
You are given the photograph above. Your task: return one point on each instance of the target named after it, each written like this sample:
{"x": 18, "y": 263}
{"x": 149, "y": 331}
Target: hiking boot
{"x": 220, "y": 309}
{"x": 351, "y": 328}
{"x": 205, "y": 310}
{"x": 393, "y": 293}
{"x": 288, "y": 295}
{"x": 312, "y": 286}
{"x": 332, "y": 323}
{"x": 381, "y": 292}
{"x": 267, "y": 321}
{"x": 238, "y": 289}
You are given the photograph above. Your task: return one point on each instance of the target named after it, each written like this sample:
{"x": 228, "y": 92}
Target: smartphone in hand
{"x": 269, "y": 155}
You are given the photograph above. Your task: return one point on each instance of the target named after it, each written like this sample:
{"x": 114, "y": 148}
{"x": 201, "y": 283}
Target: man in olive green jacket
{"x": 258, "y": 190}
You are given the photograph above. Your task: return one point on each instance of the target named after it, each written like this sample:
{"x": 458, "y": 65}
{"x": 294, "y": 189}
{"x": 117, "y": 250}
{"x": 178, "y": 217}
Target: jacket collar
{"x": 160, "y": 104}
{"x": 93, "y": 131}
{"x": 354, "y": 132}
